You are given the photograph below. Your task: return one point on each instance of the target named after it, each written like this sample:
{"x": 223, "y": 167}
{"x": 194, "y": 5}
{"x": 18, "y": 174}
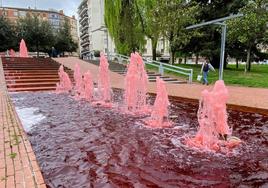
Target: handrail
{"x": 161, "y": 66}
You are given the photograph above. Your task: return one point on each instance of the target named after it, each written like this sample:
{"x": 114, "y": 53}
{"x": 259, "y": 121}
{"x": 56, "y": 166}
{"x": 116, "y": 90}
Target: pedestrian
{"x": 53, "y": 52}
{"x": 205, "y": 69}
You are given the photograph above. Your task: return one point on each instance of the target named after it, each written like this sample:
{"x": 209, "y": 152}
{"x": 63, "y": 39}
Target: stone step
{"x": 165, "y": 79}
{"x": 177, "y": 82}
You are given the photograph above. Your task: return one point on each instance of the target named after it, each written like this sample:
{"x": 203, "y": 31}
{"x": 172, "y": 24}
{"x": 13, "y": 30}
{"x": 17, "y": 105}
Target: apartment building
{"x": 94, "y": 35}
{"x": 92, "y": 31}
{"x": 54, "y": 17}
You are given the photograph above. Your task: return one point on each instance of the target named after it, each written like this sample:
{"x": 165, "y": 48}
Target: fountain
{"x": 136, "y": 82}
{"x": 12, "y": 53}
{"x": 159, "y": 116}
{"x": 88, "y": 90}
{"x": 104, "y": 88}
{"x": 65, "y": 84}
{"x": 212, "y": 117}
{"x": 78, "y": 88}
{"x": 23, "y": 49}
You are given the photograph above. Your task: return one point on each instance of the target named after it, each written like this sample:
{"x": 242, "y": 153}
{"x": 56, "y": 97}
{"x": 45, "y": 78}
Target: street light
{"x": 103, "y": 28}
{"x": 221, "y": 22}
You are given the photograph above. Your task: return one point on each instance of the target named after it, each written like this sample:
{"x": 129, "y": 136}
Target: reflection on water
{"x": 29, "y": 117}
{"x": 82, "y": 146}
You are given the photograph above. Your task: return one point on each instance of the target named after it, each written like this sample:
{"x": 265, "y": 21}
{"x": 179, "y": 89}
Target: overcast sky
{"x": 68, "y": 6}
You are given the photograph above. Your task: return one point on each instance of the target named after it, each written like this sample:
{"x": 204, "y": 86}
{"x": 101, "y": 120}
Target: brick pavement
{"x": 242, "y": 98}
{"x": 18, "y": 165}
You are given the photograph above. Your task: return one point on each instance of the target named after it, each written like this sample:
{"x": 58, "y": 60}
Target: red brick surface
{"x": 18, "y": 165}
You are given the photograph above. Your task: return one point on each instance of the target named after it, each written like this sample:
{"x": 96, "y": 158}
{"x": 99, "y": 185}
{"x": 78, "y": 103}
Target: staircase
{"x": 122, "y": 69}
{"x": 31, "y": 74}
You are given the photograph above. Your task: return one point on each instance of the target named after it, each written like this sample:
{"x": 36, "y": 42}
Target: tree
{"x": 8, "y": 37}
{"x": 124, "y": 26}
{"x": 64, "y": 41}
{"x": 176, "y": 16}
{"x": 251, "y": 29}
{"x": 210, "y": 41}
{"x": 148, "y": 13}
{"x": 37, "y": 33}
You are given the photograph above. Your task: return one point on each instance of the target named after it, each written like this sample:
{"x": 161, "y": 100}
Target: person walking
{"x": 205, "y": 69}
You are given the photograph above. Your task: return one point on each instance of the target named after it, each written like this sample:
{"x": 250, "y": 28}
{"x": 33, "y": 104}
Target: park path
{"x": 243, "y": 98}
{"x": 18, "y": 165}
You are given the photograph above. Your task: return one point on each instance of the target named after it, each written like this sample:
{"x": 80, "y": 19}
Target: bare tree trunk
{"x": 196, "y": 59}
{"x": 172, "y": 57}
{"x": 247, "y": 67}
{"x": 154, "y": 45}
{"x": 185, "y": 59}
{"x": 236, "y": 60}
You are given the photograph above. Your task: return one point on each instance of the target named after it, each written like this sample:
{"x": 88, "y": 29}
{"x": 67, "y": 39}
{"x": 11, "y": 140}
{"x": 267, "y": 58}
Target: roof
{"x": 37, "y": 10}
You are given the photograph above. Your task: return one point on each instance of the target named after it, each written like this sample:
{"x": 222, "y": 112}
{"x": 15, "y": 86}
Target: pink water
{"x": 159, "y": 116}
{"x": 212, "y": 117}
{"x": 104, "y": 88}
{"x": 12, "y": 53}
{"x": 65, "y": 84}
{"x": 88, "y": 91}
{"x": 23, "y": 49}
{"x": 78, "y": 88}
{"x": 136, "y": 82}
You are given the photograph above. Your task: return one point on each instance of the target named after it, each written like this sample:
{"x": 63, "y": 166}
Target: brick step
{"x": 32, "y": 80}
{"x": 34, "y": 72}
{"x": 25, "y": 68}
{"x": 32, "y": 84}
{"x": 33, "y": 77}
{"x": 32, "y": 89}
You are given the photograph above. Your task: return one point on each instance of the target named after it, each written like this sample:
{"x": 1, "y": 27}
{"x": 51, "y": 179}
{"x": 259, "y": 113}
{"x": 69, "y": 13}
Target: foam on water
{"x": 29, "y": 117}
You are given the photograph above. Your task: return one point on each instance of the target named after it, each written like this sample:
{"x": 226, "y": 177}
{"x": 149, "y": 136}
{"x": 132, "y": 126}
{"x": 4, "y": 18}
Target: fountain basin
{"x": 79, "y": 145}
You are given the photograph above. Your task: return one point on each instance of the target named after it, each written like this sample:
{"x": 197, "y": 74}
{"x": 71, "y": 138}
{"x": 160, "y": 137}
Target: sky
{"x": 68, "y": 6}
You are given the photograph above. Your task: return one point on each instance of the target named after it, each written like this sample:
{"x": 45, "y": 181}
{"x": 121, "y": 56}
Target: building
{"x": 93, "y": 34}
{"x": 54, "y": 17}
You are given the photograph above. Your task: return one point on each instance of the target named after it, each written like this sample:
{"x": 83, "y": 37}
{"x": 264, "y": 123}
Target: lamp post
{"x": 103, "y": 28}
{"x": 221, "y": 22}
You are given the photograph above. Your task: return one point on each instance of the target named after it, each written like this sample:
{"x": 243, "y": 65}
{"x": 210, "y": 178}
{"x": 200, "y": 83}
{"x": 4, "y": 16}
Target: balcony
{"x": 85, "y": 42}
{"x": 84, "y": 34}
{"x": 82, "y": 19}
{"x": 83, "y": 10}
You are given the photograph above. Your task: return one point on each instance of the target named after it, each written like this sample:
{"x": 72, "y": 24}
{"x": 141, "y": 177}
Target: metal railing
{"x": 162, "y": 67}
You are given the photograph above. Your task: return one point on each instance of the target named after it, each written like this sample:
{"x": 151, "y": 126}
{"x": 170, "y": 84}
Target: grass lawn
{"x": 257, "y": 77}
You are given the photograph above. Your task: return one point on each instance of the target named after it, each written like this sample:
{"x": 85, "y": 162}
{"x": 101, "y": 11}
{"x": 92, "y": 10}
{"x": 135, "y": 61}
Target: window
{"x": 15, "y": 13}
{"x": 22, "y": 13}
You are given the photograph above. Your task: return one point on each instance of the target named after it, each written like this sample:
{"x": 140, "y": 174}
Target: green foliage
{"x": 251, "y": 29}
{"x": 123, "y": 24}
{"x": 37, "y": 33}
{"x": 64, "y": 41}
{"x": 8, "y": 37}
{"x": 97, "y": 53}
{"x": 150, "y": 19}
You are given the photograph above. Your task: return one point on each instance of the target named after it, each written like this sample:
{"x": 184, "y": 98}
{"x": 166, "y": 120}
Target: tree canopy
{"x": 129, "y": 21}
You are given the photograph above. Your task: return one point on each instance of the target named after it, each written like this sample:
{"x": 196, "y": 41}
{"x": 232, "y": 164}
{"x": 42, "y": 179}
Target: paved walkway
{"x": 248, "y": 99}
{"x": 18, "y": 165}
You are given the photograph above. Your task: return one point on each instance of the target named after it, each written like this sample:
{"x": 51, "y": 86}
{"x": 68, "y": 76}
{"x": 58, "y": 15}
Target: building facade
{"x": 54, "y": 17}
{"x": 92, "y": 32}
